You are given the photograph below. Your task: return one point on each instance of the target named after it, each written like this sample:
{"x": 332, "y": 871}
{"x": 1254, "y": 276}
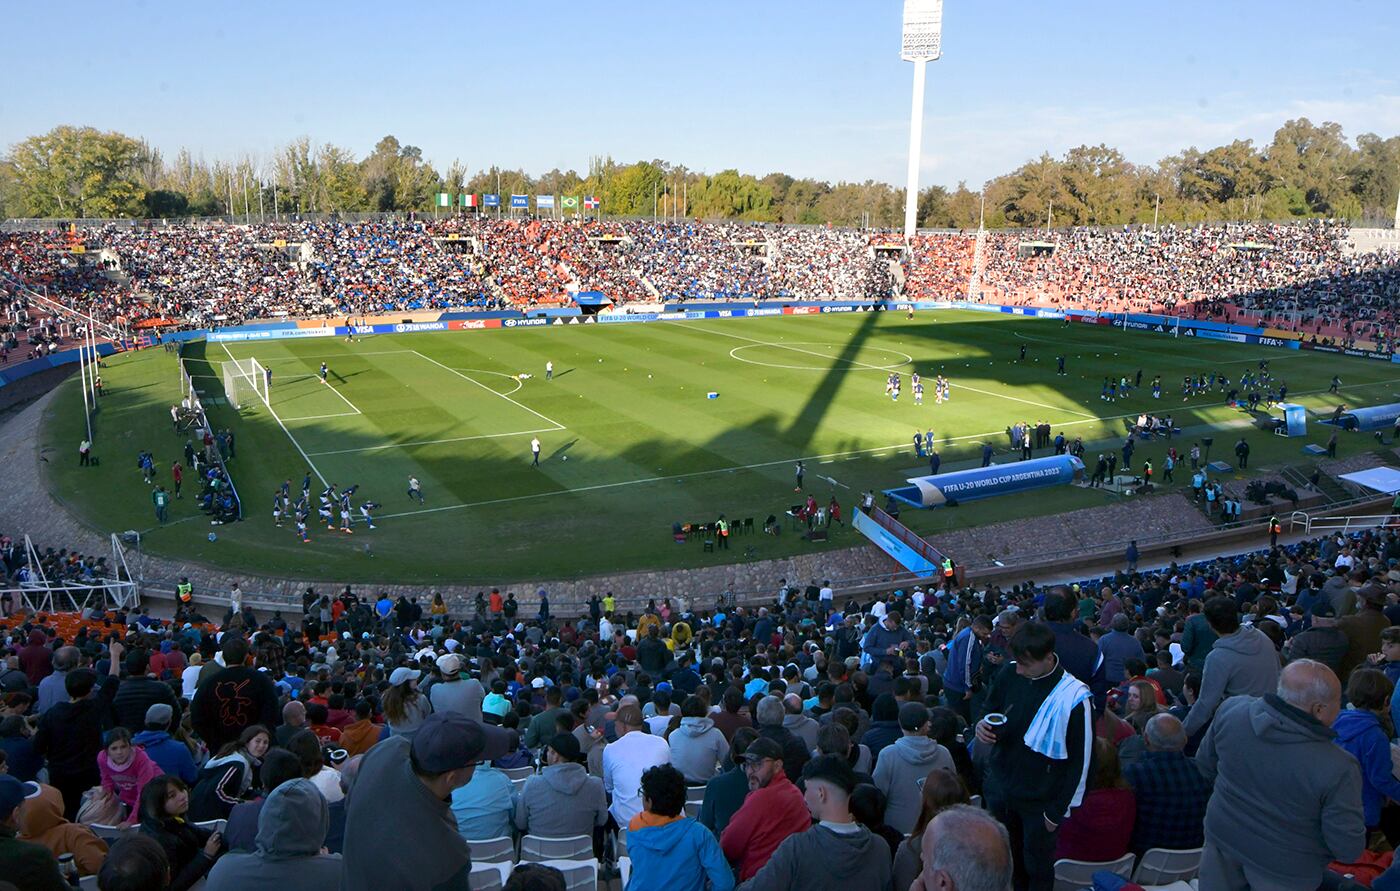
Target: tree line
{"x": 1307, "y": 170}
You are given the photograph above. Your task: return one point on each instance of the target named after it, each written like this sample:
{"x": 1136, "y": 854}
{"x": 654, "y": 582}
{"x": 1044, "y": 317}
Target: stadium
{"x": 685, "y": 529}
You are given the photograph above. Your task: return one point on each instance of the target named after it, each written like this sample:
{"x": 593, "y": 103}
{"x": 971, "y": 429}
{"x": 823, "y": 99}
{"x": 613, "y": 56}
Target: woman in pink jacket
{"x": 126, "y": 769}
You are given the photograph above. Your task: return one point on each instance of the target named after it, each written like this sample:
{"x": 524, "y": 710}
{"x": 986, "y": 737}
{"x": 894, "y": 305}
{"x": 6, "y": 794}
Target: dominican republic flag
{"x": 469, "y": 200}
{"x": 544, "y": 202}
{"x": 569, "y": 202}
{"x": 590, "y": 202}
{"x": 491, "y": 200}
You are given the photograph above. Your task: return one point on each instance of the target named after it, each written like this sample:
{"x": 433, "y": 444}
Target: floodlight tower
{"x": 922, "y": 43}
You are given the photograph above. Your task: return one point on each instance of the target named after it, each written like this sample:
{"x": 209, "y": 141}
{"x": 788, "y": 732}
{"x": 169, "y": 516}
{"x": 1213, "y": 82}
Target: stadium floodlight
{"x": 922, "y": 43}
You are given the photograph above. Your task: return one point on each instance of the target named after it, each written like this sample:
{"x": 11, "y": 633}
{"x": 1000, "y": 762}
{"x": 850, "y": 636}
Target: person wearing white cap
{"x": 405, "y": 709}
{"x": 452, "y": 693}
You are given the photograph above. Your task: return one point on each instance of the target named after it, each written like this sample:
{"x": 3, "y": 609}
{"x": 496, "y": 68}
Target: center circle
{"x": 800, "y": 351}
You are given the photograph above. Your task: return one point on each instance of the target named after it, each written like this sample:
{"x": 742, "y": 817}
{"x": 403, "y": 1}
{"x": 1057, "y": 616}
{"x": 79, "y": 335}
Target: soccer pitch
{"x": 630, "y": 441}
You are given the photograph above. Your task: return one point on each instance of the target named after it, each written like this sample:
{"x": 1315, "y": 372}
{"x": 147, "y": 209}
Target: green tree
{"x": 79, "y": 171}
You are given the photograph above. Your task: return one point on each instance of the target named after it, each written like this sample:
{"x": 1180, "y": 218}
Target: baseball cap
{"x": 912, "y": 716}
{"x": 761, "y": 748}
{"x": 1323, "y": 610}
{"x": 566, "y": 744}
{"x": 537, "y": 683}
{"x": 449, "y": 664}
{"x": 403, "y": 674}
{"x": 449, "y": 741}
{"x": 159, "y": 713}
{"x": 13, "y": 793}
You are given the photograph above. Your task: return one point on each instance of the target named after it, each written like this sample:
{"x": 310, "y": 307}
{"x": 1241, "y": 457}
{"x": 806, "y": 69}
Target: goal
{"x": 245, "y": 379}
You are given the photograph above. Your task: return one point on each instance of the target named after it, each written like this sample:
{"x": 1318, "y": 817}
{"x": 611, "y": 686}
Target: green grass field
{"x": 630, "y": 442}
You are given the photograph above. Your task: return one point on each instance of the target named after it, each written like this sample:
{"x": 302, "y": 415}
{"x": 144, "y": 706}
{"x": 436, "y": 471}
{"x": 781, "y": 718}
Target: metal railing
{"x": 1340, "y": 524}
{"x": 74, "y": 597}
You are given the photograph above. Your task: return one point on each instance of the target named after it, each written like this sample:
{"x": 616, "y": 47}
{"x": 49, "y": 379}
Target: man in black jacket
{"x": 70, "y": 734}
{"x": 139, "y": 692}
{"x": 1038, "y": 769}
{"x": 1079, "y": 655}
{"x": 234, "y": 698}
{"x": 652, "y": 654}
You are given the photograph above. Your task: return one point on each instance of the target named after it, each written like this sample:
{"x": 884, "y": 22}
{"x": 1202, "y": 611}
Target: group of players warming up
{"x": 331, "y": 498}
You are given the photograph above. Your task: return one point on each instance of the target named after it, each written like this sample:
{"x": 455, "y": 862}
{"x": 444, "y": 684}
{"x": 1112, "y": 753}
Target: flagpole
{"x": 276, "y": 211}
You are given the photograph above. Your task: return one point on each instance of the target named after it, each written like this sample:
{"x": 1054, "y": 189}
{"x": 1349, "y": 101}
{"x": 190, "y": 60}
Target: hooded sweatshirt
{"x": 900, "y": 773}
{"x": 1279, "y": 776}
{"x": 677, "y": 854}
{"x": 291, "y": 830}
{"x": 561, "y": 802}
{"x": 767, "y": 816}
{"x": 698, "y": 750}
{"x": 41, "y": 822}
{"x": 127, "y": 780}
{"x": 805, "y": 727}
{"x": 172, "y": 755}
{"x": 1240, "y": 664}
{"x": 825, "y": 858}
{"x": 1360, "y": 733}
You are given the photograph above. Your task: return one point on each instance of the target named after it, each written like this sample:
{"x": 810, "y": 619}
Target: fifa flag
{"x": 444, "y": 199}
{"x": 491, "y": 200}
{"x": 520, "y": 201}
{"x": 590, "y": 202}
{"x": 544, "y": 202}
{"x": 469, "y": 200}
{"x": 569, "y": 202}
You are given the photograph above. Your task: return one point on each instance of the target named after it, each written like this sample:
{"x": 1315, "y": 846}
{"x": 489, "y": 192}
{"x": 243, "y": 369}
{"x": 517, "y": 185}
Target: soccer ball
{"x": 564, "y": 458}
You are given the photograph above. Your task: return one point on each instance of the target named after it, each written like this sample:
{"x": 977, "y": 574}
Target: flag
{"x": 590, "y": 202}
{"x": 491, "y": 200}
{"x": 469, "y": 200}
{"x": 544, "y": 202}
{"x": 520, "y": 201}
{"x": 569, "y": 202}
{"x": 444, "y": 200}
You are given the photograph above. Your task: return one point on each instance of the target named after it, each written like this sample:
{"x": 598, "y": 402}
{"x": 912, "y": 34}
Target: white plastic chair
{"x": 1162, "y": 866}
{"x": 538, "y": 848}
{"x": 624, "y": 866}
{"x": 490, "y": 876}
{"x": 106, "y": 832}
{"x": 213, "y": 825}
{"x": 1075, "y": 875}
{"x": 692, "y": 809}
{"x": 695, "y": 793}
{"x": 492, "y": 850}
{"x": 88, "y": 883}
{"x": 518, "y": 773}
{"x": 579, "y": 875}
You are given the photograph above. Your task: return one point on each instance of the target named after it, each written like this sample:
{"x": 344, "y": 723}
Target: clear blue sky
{"x": 813, "y": 88}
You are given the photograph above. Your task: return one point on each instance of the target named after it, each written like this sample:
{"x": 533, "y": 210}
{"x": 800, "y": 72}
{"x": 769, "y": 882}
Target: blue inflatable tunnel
{"x": 949, "y": 489}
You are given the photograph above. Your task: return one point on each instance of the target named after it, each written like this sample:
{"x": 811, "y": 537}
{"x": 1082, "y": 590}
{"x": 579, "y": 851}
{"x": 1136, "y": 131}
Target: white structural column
{"x": 916, "y": 143}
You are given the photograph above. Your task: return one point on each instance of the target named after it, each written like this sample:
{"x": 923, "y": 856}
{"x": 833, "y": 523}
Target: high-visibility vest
{"x": 186, "y": 592}
{"x": 947, "y": 568}
{"x": 1274, "y": 526}
{"x": 724, "y": 527}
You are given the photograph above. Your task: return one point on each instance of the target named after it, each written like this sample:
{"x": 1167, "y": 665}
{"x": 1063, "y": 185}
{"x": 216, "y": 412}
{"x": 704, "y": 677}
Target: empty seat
{"x": 489, "y": 876}
{"x": 107, "y": 833}
{"x": 518, "y": 773}
{"x": 1162, "y": 866}
{"x": 579, "y": 875}
{"x": 492, "y": 850}
{"x": 1075, "y": 875}
{"x": 538, "y": 848}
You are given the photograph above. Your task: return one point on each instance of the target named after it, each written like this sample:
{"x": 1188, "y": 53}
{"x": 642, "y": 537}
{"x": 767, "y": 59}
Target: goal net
{"x": 244, "y": 380}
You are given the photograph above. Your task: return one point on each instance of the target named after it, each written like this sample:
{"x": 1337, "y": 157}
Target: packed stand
{"x": 940, "y": 267}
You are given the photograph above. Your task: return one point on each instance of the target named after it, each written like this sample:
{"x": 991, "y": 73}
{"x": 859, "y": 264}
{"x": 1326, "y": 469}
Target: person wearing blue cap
{"x": 28, "y": 866}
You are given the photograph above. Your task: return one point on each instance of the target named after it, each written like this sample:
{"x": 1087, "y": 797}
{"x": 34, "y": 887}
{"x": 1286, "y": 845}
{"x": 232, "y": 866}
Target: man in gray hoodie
{"x": 1243, "y": 662}
{"x": 902, "y": 767}
{"x": 291, "y": 831}
{"x": 799, "y": 723}
{"x": 563, "y": 800}
{"x": 837, "y": 854}
{"x": 698, "y": 748}
{"x": 1287, "y": 799}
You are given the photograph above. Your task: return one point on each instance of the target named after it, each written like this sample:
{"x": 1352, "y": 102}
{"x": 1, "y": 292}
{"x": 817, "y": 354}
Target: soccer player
{"x": 277, "y": 509}
{"x": 801, "y": 471}
{"x": 345, "y": 515}
{"x": 918, "y": 393}
{"x": 1059, "y": 364}
{"x": 301, "y": 527}
{"x": 535, "y": 451}
{"x": 324, "y": 371}
{"x": 327, "y": 513}
{"x": 267, "y": 377}
{"x": 415, "y": 489}
{"x": 366, "y": 510}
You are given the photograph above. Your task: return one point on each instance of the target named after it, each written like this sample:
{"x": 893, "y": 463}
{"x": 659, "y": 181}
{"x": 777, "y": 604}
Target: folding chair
{"x": 1162, "y": 866}
{"x": 579, "y": 875}
{"x": 624, "y": 866}
{"x": 107, "y": 833}
{"x": 695, "y": 794}
{"x": 1075, "y": 875}
{"x": 518, "y": 773}
{"x": 213, "y": 825}
{"x": 489, "y": 876}
{"x": 692, "y": 810}
{"x": 492, "y": 850}
{"x": 538, "y": 848}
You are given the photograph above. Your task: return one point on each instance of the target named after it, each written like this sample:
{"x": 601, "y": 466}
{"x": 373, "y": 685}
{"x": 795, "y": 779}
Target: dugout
{"x": 1376, "y": 417}
{"x": 1028, "y": 249}
{"x": 590, "y": 303}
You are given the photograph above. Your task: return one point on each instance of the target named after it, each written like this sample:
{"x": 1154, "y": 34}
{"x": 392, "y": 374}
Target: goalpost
{"x": 243, "y": 379}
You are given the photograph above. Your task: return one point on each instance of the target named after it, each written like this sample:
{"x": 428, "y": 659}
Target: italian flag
{"x": 469, "y": 201}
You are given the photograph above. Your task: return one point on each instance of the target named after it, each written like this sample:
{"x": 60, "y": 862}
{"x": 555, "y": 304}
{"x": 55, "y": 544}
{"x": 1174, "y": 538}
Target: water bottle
{"x": 68, "y": 868}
